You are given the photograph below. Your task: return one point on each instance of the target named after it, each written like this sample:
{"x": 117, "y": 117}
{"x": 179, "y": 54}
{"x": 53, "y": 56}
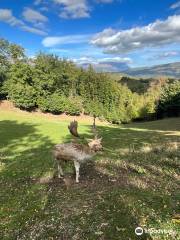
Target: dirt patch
{"x": 8, "y": 106}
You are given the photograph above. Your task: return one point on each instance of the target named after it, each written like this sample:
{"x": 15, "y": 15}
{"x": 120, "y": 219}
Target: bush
{"x": 57, "y": 103}
{"x": 53, "y": 103}
{"x": 94, "y": 108}
{"x": 19, "y": 86}
{"x": 113, "y": 117}
{"x": 23, "y": 96}
{"x": 169, "y": 102}
{"x": 3, "y": 77}
{"x": 74, "y": 106}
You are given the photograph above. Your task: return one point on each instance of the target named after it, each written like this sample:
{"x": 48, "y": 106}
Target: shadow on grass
{"x": 167, "y": 125}
{"x": 110, "y": 201}
{"x": 24, "y": 156}
{"x": 115, "y": 138}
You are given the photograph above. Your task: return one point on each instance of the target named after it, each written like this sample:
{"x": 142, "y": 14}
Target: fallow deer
{"x": 75, "y": 152}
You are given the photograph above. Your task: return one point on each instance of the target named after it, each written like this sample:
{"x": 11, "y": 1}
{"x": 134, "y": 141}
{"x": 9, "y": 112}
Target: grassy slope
{"x": 126, "y": 186}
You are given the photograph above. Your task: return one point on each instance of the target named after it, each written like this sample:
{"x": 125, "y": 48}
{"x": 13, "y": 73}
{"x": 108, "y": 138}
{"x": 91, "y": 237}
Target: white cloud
{"x": 168, "y": 54}
{"x": 33, "y": 30}
{"x": 69, "y": 39}
{"x": 70, "y": 9}
{"x": 90, "y": 60}
{"x": 7, "y": 17}
{"x": 33, "y": 16}
{"x": 73, "y": 8}
{"x": 175, "y": 5}
{"x": 155, "y": 34}
{"x": 112, "y": 64}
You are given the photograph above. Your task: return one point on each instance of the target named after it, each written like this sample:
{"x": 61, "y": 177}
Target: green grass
{"x": 134, "y": 182}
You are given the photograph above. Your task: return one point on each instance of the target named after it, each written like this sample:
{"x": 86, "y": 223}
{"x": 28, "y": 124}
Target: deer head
{"x": 95, "y": 144}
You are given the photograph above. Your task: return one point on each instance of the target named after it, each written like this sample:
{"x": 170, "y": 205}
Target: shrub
{"x": 23, "y": 96}
{"x": 3, "y": 77}
{"x": 19, "y": 86}
{"x": 57, "y": 103}
{"x": 54, "y": 103}
{"x": 74, "y": 106}
{"x": 94, "y": 108}
{"x": 169, "y": 102}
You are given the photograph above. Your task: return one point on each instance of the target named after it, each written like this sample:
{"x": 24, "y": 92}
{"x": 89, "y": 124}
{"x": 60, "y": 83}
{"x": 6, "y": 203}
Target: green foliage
{"x": 4, "y": 52}
{"x": 169, "y": 102}
{"x": 59, "y": 86}
{"x": 23, "y": 96}
{"x": 2, "y": 80}
{"x": 16, "y": 52}
{"x": 74, "y": 106}
{"x": 54, "y": 103}
{"x": 53, "y": 74}
{"x": 20, "y": 85}
{"x": 94, "y": 108}
{"x": 9, "y": 53}
{"x": 139, "y": 86}
{"x": 57, "y": 103}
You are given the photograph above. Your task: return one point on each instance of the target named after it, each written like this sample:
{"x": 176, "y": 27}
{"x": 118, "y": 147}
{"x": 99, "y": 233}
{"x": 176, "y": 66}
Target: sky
{"x": 109, "y": 34}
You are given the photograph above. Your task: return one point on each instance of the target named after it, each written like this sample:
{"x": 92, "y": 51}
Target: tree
{"x": 16, "y": 52}
{"x": 54, "y": 75}
{"x": 169, "y": 102}
{"x": 20, "y": 86}
{"x": 9, "y": 53}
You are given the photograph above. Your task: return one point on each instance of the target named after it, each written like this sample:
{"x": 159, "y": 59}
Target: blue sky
{"x": 110, "y": 34}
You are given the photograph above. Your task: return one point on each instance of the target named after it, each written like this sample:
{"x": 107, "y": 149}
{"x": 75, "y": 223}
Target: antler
{"x": 73, "y": 128}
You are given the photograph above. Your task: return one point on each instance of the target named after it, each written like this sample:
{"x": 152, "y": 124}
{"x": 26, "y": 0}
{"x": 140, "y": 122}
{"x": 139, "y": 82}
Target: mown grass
{"x": 134, "y": 182}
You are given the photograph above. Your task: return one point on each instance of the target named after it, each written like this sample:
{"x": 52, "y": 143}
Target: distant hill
{"x": 169, "y": 70}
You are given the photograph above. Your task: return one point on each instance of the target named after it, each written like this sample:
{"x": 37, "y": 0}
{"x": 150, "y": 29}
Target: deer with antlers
{"x": 75, "y": 152}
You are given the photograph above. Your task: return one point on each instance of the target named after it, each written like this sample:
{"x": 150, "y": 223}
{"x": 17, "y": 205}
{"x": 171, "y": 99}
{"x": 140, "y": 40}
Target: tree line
{"x": 58, "y": 86}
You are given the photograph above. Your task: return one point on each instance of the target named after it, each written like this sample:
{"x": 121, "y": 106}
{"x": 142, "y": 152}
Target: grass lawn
{"x": 134, "y": 182}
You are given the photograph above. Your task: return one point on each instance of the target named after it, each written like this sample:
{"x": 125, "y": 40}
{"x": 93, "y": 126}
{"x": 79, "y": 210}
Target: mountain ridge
{"x": 168, "y": 69}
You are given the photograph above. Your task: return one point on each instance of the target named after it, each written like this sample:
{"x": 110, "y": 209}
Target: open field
{"x": 134, "y": 182}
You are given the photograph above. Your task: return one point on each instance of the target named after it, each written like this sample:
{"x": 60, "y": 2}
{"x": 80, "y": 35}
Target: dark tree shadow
{"x": 136, "y": 134}
{"x": 25, "y": 156}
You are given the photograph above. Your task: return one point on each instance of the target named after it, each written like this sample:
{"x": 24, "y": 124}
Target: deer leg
{"x": 77, "y": 166}
{"x": 60, "y": 171}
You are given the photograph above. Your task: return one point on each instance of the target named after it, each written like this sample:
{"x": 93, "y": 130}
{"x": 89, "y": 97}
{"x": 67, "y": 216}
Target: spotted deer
{"x": 76, "y": 152}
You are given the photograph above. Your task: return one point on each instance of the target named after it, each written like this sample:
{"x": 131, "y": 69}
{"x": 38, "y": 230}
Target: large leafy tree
{"x": 53, "y": 74}
{"x": 9, "y": 53}
{"x": 20, "y": 85}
